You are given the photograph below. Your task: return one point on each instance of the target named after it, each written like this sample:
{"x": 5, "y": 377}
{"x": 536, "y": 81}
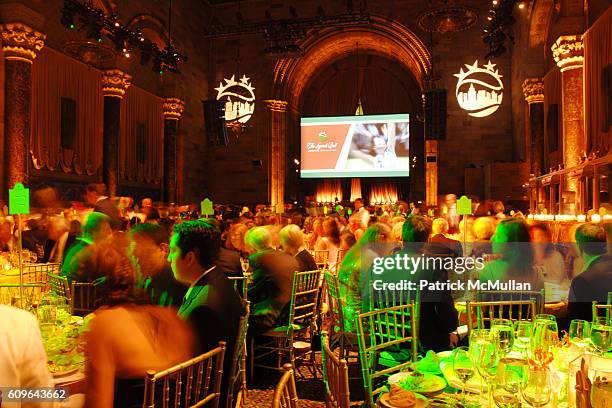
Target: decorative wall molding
{"x": 173, "y": 108}
{"x": 21, "y": 42}
{"x": 568, "y": 52}
{"x": 533, "y": 90}
{"x": 276, "y": 105}
{"x": 115, "y": 83}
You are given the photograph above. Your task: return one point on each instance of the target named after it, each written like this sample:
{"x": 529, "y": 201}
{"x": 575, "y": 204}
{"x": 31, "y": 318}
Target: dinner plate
{"x": 429, "y": 384}
{"x": 421, "y": 401}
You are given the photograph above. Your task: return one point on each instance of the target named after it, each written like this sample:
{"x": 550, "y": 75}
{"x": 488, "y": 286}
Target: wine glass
{"x": 506, "y": 391}
{"x": 579, "y": 332}
{"x": 601, "y": 334}
{"x": 463, "y": 367}
{"x": 522, "y": 336}
{"x": 551, "y": 319}
{"x": 536, "y": 387}
{"x": 488, "y": 359}
{"x": 503, "y": 329}
{"x": 543, "y": 338}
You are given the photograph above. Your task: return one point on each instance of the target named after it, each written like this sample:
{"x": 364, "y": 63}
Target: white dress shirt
{"x": 23, "y": 361}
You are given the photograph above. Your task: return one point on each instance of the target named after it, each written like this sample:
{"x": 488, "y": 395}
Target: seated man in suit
{"x": 596, "y": 281}
{"x": 148, "y": 251}
{"x": 211, "y": 305}
{"x": 76, "y": 264}
{"x": 95, "y": 196}
{"x": 60, "y": 240}
{"x": 270, "y": 291}
{"x": 292, "y": 242}
{"x": 440, "y": 243}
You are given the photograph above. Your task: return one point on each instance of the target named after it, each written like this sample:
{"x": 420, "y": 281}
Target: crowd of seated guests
{"x": 165, "y": 279}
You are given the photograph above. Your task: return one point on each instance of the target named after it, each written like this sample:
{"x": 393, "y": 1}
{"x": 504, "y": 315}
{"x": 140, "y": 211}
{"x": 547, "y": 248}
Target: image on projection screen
{"x": 355, "y": 146}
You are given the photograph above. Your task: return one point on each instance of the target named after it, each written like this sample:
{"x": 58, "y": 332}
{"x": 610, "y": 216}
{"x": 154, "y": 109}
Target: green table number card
{"x": 19, "y": 200}
{"x": 464, "y": 206}
{"x": 206, "y": 208}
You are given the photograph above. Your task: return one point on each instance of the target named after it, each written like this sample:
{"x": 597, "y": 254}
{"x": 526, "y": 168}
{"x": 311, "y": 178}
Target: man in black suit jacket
{"x": 211, "y": 304}
{"x": 95, "y": 196}
{"x": 596, "y": 281}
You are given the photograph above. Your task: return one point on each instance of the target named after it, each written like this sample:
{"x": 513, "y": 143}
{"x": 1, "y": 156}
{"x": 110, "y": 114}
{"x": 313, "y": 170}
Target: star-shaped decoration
{"x": 490, "y": 66}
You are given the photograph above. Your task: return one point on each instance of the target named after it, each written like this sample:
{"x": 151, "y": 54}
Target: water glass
{"x": 580, "y": 332}
{"x": 522, "y": 336}
{"x": 544, "y": 338}
{"x": 536, "y": 387}
{"x": 601, "y": 334}
{"x": 506, "y": 391}
{"x": 503, "y": 330}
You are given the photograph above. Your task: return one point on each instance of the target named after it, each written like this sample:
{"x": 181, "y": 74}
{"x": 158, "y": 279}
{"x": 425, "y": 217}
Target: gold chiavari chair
{"x": 482, "y": 313}
{"x": 238, "y": 369}
{"x": 285, "y": 393}
{"x": 388, "y": 328}
{"x": 601, "y": 310}
{"x": 345, "y": 340}
{"x": 321, "y": 257}
{"x": 301, "y": 325}
{"x": 59, "y": 285}
{"x": 189, "y": 384}
{"x": 335, "y": 376}
{"x": 84, "y": 298}
{"x": 37, "y": 272}
{"x": 501, "y": 295}
{"x": 241, "y": 285}
{"x": 32, "y": 293}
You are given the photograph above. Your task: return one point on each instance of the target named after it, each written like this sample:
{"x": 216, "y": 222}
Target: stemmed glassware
{"x": 580, "y": 332}
{"x": 503, "y": 330}
{"x": 506, "y": 391}
{"x": 522, "y": 336}
{"x": 601, "y": 334}
{"x": 463, "y": 367}
{"x": 543, "y": 338}
{"x": 536, "y": 387}
{"x": 484, "y": 352}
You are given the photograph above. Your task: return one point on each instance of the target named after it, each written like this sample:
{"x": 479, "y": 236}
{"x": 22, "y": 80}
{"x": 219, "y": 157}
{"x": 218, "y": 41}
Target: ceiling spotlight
{"x": 117, "y": 24}
{"x": 489, "y": 18}
{"x": 127, "y": 55}
{"x": 521, "y": 5}
{"x": 495, "y": 2}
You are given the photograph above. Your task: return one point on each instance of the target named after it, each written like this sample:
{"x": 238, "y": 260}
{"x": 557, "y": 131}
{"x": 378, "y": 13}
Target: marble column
{"x": 278, "y": 128}
{"x": 20, "y": 44}
{"x": 114, "y": 85}
{"x": 568, "y": 52}
{"x": 173, "y": 109}
{"x": 533, "y": 91}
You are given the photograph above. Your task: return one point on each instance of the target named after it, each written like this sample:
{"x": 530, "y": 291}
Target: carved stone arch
{"x": 539, "y": 26}
{"x": 152, "y": 28}
{"x": 383, "y": 37}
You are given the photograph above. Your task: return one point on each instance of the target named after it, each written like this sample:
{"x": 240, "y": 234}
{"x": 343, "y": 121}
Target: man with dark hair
{"x": 148, "y": 250}
{"x": 76, "y": 264}
{"x": 596, "y": 281}
{"x": 211, "y": 304}
{"x": 416, "y": 229}
{"x": 95, "y": 195}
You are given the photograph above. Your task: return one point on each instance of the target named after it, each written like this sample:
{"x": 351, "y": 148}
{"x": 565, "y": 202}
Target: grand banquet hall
{"x": 253, "y": 203}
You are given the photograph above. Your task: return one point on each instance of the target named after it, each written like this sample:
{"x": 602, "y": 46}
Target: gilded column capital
{"x": 533, "y": 90}
{"x": 276, "y": 105}
{"x": 173, "y": 108}
{"x": 115, "y": 83}
{"x": 568, "y": 52}
{"x": 21, "y": 42}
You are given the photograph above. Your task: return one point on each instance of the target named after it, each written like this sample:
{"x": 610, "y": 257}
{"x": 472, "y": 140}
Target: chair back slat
{"x": 37, "y": 272}
{"x": 482, "y": 313}
{"x": 84, "y": 297}
{"x": 386, "y": 329}
{"x": 59, "y": 285}
{"x": 32, "y": 293}
{"x": 304, "y": 298}
{"x": 600, "y": 310}
{"x": 321, "y": 257}
{"x": 285, "y": 393}
{"x": 204, "y": 392}
{"x": 238, "y": 368}
{"x": 335, "y": 375}
{"x": 502, "y": 295}
{"x": 241, "y": 285}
